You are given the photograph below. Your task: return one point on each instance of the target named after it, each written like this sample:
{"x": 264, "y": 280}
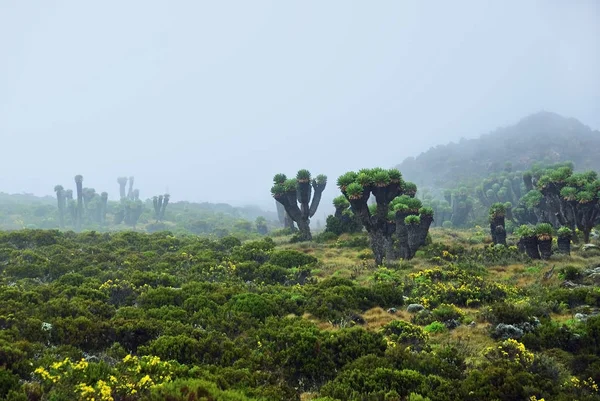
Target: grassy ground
{"x": 357, "y": 264}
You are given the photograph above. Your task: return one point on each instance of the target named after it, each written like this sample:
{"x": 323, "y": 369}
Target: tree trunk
{"x": 401, "y": 237}
{"x": 304, "y": 193}
{"x": 586, "y": 234}
{"x": 499, "y": 236}
{"x": 281, "y": 213}
{"x": 498, "y": 231}
{"x": 424, "y": 229}
{"x": 304, "y": 228}
{"x": 314, "y": 203}
{"x": 378, "y": 245}
{"x": 288, "y": 222}
{"x": 545, "y": 248}
{"x": 531, "y": 247}
{"x": 564, "y": 245}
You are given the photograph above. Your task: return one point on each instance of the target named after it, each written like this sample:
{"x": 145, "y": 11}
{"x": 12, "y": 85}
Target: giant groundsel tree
{"x": 300, "y": 198}
{"x": 397, "y": 223}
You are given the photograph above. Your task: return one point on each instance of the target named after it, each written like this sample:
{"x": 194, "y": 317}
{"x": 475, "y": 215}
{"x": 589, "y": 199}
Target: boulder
{"x": 506, "y": 331}
{"x": 414, "y": 308}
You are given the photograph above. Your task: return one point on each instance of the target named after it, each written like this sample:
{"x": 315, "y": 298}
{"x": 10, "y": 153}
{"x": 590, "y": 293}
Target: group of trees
{"x": 397, "y": 223}
{"x": 88, "y": 208}
{"x": 557, "y": 200}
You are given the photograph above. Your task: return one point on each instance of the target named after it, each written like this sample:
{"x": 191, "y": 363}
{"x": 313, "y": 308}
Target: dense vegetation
{"x": 129, "y": 316}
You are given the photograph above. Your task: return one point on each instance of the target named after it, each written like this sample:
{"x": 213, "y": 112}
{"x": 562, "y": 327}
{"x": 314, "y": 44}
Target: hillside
{"x": 542, "y": 137}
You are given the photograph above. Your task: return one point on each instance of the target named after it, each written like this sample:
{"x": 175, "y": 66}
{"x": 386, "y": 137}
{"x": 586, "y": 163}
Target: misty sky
{"x": 211, "y": 98}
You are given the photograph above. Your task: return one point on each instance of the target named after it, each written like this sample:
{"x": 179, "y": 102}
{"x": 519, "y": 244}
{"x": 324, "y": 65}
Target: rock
{"x": 414, "y": 308}
{"x": 472, "y": 324}
{"x": 526, "y": 327}
{"x": 593, "y": 278}
{"x": 506, "y": 331}
{"x": 569, "y": 284}
{"x": 587, "y": 247}
{"x": 451, "y": 324}
{"x": 392, "y": 310}
{"x": 582, "y": 317}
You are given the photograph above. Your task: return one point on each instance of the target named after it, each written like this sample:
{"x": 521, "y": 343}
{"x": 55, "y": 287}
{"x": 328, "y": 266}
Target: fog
{"x": 208, "y": 100}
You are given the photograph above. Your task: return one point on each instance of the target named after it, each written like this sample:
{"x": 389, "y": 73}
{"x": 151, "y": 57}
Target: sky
{"x": 209, "y": 99}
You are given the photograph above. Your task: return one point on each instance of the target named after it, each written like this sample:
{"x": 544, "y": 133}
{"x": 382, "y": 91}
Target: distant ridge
{"x": 540, "y": 137}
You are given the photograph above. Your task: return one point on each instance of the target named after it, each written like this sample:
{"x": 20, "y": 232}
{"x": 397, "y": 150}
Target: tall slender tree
{"x": 104, "y": 207}
{"x": 130, "y": 190}
{"x": 61, "y": 199}
{"x": 295, "y": 196}
{"x": 122, "y": 184}
{"x": 79, "y": 186}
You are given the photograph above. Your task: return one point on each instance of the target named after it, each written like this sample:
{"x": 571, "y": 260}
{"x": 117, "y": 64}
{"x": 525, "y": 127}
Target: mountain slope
{"x": 541, "y": 137}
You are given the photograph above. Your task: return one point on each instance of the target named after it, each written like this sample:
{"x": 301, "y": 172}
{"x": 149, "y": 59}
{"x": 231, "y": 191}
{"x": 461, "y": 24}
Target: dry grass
{"x": 376, "y": 318}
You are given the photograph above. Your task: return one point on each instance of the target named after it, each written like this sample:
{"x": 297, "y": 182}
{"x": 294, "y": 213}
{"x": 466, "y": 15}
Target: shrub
{"x": 445, "y": 312}
{"x": 570, "y": 272}
{"x": 405, "y": 333}
{"x": 435, "y": 328}
{"x": 290, "y": 258}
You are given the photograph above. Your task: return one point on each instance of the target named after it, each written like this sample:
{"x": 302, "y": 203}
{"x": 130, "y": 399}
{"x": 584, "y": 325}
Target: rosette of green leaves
{"x": 578, "y": 180}
{"x": 544, "y": 231}
{"x": 354, "y": 190}
{"x": 525, "y": 231}
{"x": 279, "y": 178}
{"x": 395, "y": 175}
{"x": 346, "y": 179}
{"x": 402, "y": 199}
{"x": 348, "y": 213}
{"x": 303, "y": 175}
{"x": 341, "y": 202}
{"x": 413, "y": 204}
{"x": 381, "y": 178}
{"x": 277, "y": 190}
{"x": 543, "y": 182}
{"x": 561, "y": 174}
{"x": 290, "y": 185}
{"x": 412, "y": 219}
{"x": 365, "y": 179}
{"x": 533, "y": 198}
{"x": 569, "y": 193}
{"x": 410, "y": 188}
{"x": 321, "y": 179}
{"x": 585, "y": 197}
{"x": 497, "y": 210}
{"x": 426, "y": 211}
{"x": 565, "y": 232}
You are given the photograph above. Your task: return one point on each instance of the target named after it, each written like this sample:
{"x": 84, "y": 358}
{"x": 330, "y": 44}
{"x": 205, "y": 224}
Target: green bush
{"x": 290, "y": 258}
{"x": 435, "y": 328}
